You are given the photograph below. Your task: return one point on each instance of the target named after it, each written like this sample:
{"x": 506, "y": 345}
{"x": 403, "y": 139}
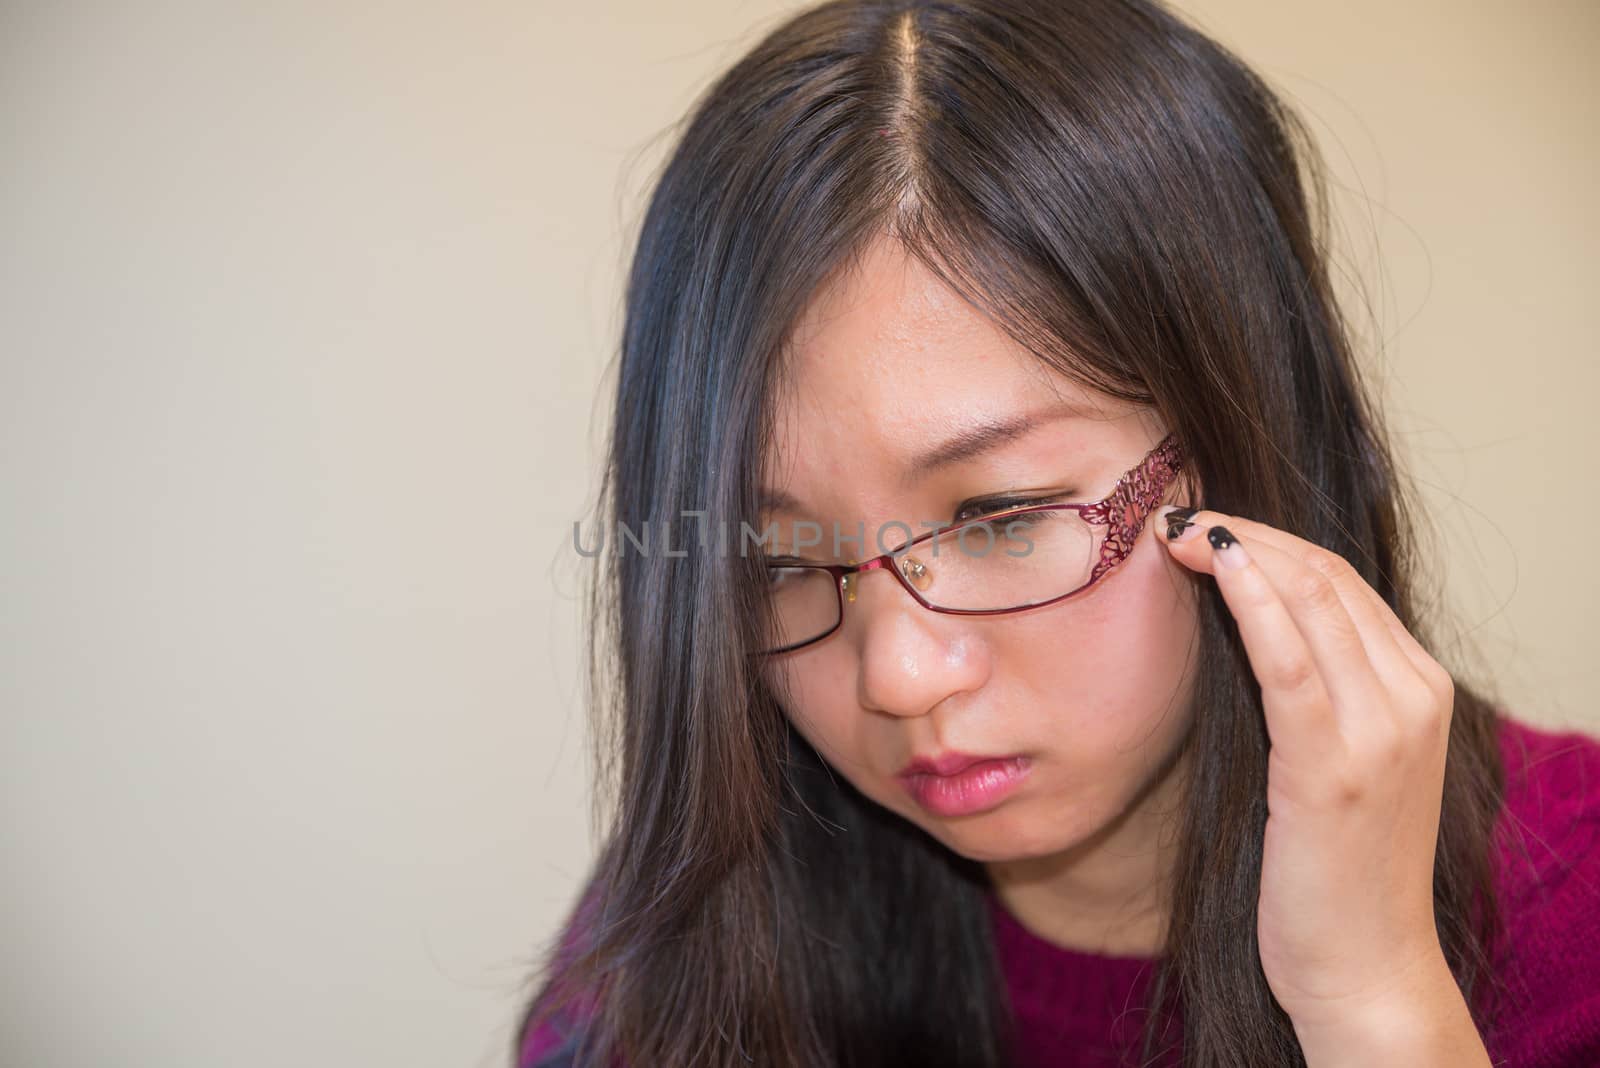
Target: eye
{"x": 990, "y": 505}
{"x": 779, "y": 578}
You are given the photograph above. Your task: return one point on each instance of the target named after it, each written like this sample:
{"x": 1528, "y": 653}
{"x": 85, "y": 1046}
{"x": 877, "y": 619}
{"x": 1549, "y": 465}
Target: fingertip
{"x": 1229, "y": 552}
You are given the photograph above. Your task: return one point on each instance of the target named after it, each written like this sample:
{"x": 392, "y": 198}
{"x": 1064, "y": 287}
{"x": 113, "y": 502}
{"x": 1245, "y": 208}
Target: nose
{"x": 910, "y": 658}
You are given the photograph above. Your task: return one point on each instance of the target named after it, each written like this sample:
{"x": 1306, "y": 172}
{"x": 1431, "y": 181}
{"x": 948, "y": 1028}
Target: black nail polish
{"x": 1220, "y": 537}
{"x": 1176, "y": 528}
{"x": 1182, "y": 513}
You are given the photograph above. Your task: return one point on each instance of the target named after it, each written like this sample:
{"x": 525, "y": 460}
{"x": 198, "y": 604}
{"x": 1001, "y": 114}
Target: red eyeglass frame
{"x": 1124, "y": 510}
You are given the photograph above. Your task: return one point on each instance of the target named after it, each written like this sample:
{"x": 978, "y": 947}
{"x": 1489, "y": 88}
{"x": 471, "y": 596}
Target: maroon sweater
{"x": 1075, "y": 1009}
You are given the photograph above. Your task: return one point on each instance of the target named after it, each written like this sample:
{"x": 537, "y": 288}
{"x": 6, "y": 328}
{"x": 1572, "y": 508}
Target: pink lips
{"x": 959, "y": 784}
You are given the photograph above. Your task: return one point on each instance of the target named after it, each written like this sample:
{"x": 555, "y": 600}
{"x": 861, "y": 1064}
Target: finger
{"x": 1420, "y": 683}
{"x": 1392, "y": 670}
{"x": 1297, "y": 698}
{"x": 1315, "y": 607}
{"x": 1423, "y": 664}
{"x": 1398, "y": 659}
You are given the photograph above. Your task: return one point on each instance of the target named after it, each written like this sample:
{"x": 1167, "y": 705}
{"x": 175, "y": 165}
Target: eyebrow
{"x": 966, "y": 444}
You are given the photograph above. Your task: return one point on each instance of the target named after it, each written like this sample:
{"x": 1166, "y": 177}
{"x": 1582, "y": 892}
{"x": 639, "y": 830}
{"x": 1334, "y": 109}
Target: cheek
{"x": 1111, "y": 673}
{"x": 819, "y": 703}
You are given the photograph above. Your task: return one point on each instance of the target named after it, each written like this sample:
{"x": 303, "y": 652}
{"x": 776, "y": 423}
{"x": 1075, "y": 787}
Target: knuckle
{"x": 1298, "y": 676}
{"x": 1367, "y": 758}
{"x": 1440, "y": 681}
{"x": 1347, "y": 785}
{"x": 1326, "y": 562}
{"x": 1315, "y": 589}
{"x": 1431, "y": 715}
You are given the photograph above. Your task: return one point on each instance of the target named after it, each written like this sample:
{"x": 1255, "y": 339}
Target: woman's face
{"x": 1093, "y": 690}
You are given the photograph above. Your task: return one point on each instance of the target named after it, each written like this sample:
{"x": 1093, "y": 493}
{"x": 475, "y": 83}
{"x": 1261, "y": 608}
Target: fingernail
{"x": 1181, "y": 530}
{"x": 1177, "y": 520}
{"x": 1229, "y": 552}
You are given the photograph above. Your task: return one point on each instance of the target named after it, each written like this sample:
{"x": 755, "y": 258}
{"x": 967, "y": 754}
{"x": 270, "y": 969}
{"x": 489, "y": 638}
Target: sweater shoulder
{"x": 1548, "y": 884}
{"x": 557, "y": 1025}
{"x": 1551, "y": 811}
{"x": 550, "y": 1046}
{"x": 560, "y": 1039}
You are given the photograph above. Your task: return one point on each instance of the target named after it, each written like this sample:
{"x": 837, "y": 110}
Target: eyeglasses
{"x": 1007, "y": 561}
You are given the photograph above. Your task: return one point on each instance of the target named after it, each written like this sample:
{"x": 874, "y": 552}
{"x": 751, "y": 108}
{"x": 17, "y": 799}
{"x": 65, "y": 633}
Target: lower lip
{"x": 975, "y": 789}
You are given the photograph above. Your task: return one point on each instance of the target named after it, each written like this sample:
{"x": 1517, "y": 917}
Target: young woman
{"x": 1015, "y": 764}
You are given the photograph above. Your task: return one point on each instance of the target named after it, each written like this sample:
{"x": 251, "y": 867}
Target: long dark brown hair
{"x": 1128, "y": 200}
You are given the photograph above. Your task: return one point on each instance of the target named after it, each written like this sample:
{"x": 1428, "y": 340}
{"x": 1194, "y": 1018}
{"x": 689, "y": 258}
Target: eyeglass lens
{"x": 1009, "y": 563}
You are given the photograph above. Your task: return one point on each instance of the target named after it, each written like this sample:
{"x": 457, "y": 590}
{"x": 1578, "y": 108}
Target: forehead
{"x": 887, "y": 357}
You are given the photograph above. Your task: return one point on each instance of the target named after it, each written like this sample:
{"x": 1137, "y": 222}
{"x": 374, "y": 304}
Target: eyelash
{"x": 986, "y": 505}
{"x": 982, "y": 505}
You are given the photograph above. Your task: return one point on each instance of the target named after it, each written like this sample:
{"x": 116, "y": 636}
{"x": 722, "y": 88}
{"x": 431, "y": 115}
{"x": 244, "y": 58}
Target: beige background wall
{"x": 303, "y": 309}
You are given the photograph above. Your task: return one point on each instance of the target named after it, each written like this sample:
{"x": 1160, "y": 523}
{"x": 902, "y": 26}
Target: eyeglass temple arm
{"x": 1135, "y": 496}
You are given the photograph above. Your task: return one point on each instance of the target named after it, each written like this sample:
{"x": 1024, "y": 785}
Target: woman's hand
{"x": 1358, "y": 718}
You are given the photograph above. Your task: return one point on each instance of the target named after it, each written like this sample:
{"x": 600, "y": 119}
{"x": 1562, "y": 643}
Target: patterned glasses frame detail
{"x": 1124, "y": 510}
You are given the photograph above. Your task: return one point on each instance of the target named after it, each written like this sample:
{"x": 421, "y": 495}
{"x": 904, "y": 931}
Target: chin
{"x": 1021, "y": 829}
